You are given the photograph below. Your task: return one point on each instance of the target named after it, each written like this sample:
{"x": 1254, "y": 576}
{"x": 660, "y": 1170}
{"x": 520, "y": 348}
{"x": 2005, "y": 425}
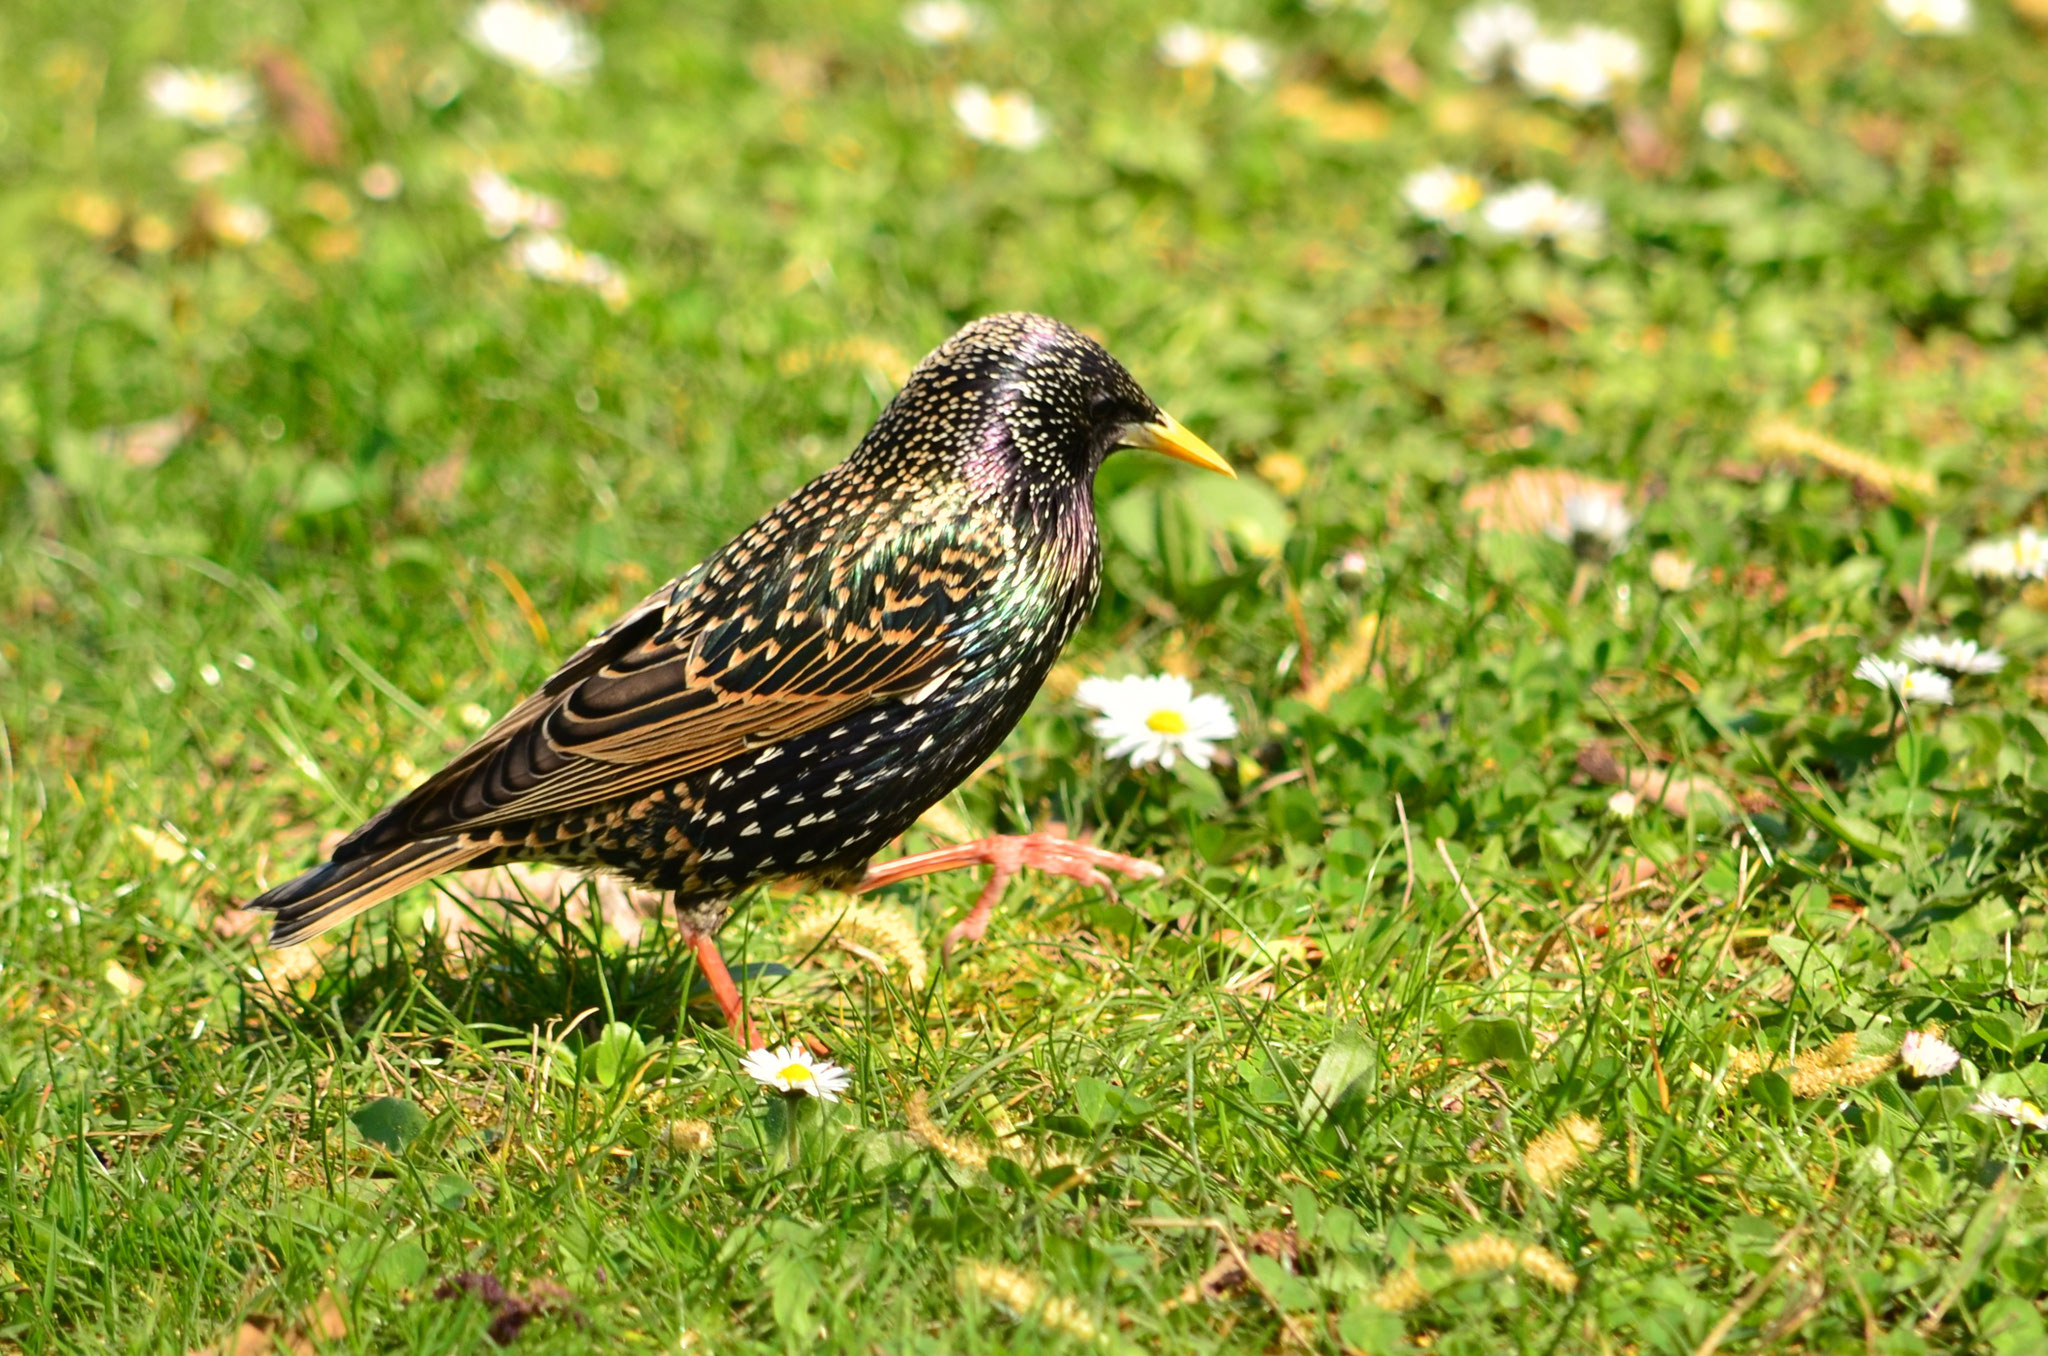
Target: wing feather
{"x": 690, "y": 679}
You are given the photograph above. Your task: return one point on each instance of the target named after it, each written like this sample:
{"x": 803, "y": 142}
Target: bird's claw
{"x": 1006, "y": 855}
{"x": 1081, "y": 861}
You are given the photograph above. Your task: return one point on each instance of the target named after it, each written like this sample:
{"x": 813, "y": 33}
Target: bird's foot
{"x": 1008, "y": 854}
{"x": 712, "y": 963}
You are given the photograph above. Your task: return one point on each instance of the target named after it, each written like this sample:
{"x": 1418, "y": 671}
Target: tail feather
{"x": 335, "y": 892}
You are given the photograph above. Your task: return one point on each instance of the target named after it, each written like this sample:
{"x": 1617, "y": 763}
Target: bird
{"x": 789, "y": 706}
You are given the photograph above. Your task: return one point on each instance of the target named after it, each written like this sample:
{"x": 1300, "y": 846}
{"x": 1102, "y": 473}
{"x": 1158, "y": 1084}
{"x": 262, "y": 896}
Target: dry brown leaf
{"x": 510, "y": 1312}
{"x": 1530, "y": 501}
{"x": 311, "y": 123}
{"x": 1348, "y": 661}
{"x": 623, "y": 908}
{"x": 1643, "y": 142}
{"x": 1228, "y": 1276}
{"x": 439, "y": 483}
{"x": 323, "y": 1319}
{"x": 1663, "y": 786}
{"x": 251, "y": 1339}
{"x": 146, "y": 444}
{"x": 1633, "y": 874}
{"x": 790, "y": 71}
{"x": 263, "y": 1336}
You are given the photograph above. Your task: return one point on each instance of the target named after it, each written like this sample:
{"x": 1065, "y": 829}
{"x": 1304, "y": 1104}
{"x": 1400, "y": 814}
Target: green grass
{"x": 414, "y": 479}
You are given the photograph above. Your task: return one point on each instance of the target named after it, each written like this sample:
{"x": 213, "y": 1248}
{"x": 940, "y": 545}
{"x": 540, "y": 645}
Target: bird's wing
{"x": 686, "y": 682}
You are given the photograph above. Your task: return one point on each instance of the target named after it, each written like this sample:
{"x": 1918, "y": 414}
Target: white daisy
{"x": 941, "y": 23}
{"x": 1673, "y": 572}
{"x": 793, "y": 1069}
{"x": 1245, "y": 60}
{"x": 1192, "y": 48}
{"x": 1910, "y": 684}
{"x": 1623, "y": 804}
{"x": 539, "y": 39}
{"x": 2018, "y": 1110}
{"x": 1927, "y": 1056}
{"x": 1005, "y": 118}
{"x": 1186, "y": 46}
{"x": 2023, "y": 555}
{"x": 1156, "y": 719}
{"x": 237, "y": 223}
{"x": 1721, "y": 120}
{"x": 1596, "y": 519}
{"x": 1564, "y": 71}
{"x": 1925, "y": 685}
{"x": 202, "y": 98}
{"x": 1756, "y": 20}
{"x": 1957, "y": 656}
{"x": 1888, "y": 674}
{"x": 1442, "y": 195}
{"x": 1615, "y": 52}
{"x": 1537, "y": 211}
{"x": 1583, "y": 67}
{"x": 1488, "y": 37}
{"x": 1929, "y": 16}
{"x": 548, "y": 256}
{"x": 506, "y": 207}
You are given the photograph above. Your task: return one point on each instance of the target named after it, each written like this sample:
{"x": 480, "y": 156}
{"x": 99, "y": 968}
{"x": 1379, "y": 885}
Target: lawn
{"x": 1535, "y": 968}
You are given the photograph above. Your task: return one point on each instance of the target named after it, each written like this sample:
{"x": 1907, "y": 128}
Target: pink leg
{"x": 712, "y": 963}
{"x": 1007, "y": 854}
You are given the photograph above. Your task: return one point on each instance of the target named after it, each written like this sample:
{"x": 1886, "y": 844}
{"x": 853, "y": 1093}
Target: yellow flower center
{"x": 796, "y": 1073}
{"x": 1167, "y": 722}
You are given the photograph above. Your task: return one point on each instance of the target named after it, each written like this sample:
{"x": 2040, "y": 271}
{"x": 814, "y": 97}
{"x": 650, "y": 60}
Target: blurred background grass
{"x": 285, "y": 494}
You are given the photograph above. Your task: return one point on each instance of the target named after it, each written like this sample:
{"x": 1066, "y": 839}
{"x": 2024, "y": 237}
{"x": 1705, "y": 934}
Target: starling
{"x": 797, "y": 700}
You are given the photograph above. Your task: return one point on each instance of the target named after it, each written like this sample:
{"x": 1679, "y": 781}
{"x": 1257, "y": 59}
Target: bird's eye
{"x": 1105, "y": 409}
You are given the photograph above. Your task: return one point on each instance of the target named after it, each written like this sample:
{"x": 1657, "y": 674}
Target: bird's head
{"x": 1021, "y": 399}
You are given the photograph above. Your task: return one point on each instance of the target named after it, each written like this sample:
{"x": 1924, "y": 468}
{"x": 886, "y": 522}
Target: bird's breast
{"x": 832, "y": 797}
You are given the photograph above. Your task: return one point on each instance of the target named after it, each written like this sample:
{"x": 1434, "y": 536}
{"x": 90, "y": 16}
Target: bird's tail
{"x": 335, "y": 892}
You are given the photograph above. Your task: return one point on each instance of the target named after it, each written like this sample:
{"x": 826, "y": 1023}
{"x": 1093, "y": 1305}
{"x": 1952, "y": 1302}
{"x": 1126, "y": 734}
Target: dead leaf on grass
{"x": 623, "y": 908}
{"x": 322, "y": 1323}
{"x": 1229, "y": 1277}
{"x": 511, "y": 1312}
{"x": 1664, "y": 786}
{"x": 144, "y": 445}
{"x": 1530, "y": 501}
{"x": 310, "y": 121}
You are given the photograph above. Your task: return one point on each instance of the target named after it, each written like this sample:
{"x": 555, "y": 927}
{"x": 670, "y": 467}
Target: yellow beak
{"x": 1170, "y": 436}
